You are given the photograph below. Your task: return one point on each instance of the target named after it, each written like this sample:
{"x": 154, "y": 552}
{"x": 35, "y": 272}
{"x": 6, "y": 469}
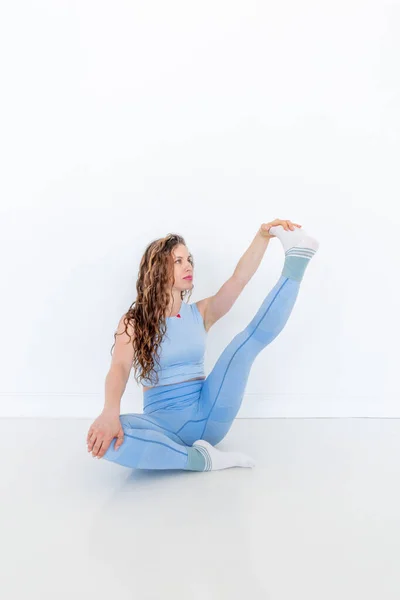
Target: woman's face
{"x": 183, "y": 267}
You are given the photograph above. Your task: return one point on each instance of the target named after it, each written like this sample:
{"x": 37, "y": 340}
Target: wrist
{"x": 110, "y": 411}
{"x": 263, "y": 233}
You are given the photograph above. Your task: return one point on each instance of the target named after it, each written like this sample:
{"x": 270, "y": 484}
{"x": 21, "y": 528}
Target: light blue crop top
{"x": 181, "y": 354}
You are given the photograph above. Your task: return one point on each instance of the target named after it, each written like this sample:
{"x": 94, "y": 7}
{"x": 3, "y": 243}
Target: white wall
{"x": 123, "y": 121}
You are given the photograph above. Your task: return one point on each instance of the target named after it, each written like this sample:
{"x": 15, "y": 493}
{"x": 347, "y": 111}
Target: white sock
{"x": 297, "y": 238}
{"x": 216, "y": 459}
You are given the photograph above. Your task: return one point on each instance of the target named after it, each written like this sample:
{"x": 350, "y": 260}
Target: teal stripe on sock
{"x": 300, "y": 252}
{"x": 294, "y": 267}
{"x": 206, "y": 456}
{"x": 196, "y": 460}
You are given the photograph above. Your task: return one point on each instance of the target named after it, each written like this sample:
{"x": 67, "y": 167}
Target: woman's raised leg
{"x": 223, "y": 389}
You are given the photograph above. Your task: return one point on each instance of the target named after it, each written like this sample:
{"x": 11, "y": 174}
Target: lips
{"x": 188, "y": 277}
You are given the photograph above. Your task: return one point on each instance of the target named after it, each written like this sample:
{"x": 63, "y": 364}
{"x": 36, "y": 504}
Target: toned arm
{"x": 121, "y": 363}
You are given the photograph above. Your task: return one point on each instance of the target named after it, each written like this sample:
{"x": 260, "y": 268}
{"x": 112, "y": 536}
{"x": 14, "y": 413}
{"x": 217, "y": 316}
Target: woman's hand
{"x": 287, "y": 225}
{"x": 103, "y": 430}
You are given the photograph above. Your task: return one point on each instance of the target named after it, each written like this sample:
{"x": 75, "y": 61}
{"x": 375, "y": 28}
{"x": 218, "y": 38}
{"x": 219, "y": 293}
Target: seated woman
{"x": 185, "y": 414}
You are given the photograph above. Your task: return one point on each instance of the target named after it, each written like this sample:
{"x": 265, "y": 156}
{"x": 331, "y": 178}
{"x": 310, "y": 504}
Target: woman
{"x": 185, "y": 413}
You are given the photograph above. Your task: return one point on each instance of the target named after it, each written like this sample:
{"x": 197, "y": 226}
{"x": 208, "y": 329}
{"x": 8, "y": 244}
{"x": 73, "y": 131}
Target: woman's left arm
{"x": 251, "y": 259}
{"x": 218, "y": 305}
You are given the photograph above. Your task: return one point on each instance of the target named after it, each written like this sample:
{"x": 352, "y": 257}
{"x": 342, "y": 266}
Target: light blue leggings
{"x": 174, "y": 416}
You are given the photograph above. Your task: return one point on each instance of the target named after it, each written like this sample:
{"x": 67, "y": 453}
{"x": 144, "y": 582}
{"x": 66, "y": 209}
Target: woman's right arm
{"x": 115, "y": 384}
{"x": 108, "y": 425}
{"x": 121, "y": 364}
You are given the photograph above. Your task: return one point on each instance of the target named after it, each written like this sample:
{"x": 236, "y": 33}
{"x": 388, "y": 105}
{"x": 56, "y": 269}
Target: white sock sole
{"x": 216, "y": 459}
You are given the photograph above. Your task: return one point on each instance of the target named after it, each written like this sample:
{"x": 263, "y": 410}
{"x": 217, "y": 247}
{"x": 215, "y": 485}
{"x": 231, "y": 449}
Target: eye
{"x": 190, "y": 260}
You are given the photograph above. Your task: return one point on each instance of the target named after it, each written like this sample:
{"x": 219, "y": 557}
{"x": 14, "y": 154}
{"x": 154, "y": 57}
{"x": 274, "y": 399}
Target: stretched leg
{"x": 223, "y": 390}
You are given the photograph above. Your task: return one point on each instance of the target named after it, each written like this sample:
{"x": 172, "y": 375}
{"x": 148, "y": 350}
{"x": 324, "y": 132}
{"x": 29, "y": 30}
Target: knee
{"x": 131, "y": 421}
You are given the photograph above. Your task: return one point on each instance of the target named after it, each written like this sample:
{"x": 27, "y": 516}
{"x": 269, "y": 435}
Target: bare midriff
{"x": 151, "y": 387}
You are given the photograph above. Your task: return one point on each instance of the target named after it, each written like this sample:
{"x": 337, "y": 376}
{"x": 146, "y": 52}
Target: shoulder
{"x": 125, "y": 326}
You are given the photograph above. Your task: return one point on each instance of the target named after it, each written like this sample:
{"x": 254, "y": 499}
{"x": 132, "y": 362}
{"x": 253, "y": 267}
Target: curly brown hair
{"x": 147, "y": 313}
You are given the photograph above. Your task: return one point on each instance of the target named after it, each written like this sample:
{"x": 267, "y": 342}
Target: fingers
{"x": 94, "y": 442}
{"x": 285, "y": 223}
{"x": 289, "y": 225}
{"x": 101, "y": 447}
{"x": 89, "y": 435}
{"x": 96, "y": 447}
{"x": 104, "y": 447}
{"x": 119, "y": 441}
{"x": 91, "y": 438}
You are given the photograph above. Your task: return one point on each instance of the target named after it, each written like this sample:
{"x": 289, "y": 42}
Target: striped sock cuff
{"x": 301, "y": 252}
{"x": 206, "y": 456}
{"x": 198, "y": 459}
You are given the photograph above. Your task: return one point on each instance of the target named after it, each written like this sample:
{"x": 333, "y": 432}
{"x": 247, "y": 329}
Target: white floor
{"x": 318, "y": 518}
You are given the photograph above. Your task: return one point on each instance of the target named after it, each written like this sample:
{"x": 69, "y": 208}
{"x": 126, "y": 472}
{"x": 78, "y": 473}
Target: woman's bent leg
{"x": 155, "y": 442}
{"x": 147, "y": 445}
